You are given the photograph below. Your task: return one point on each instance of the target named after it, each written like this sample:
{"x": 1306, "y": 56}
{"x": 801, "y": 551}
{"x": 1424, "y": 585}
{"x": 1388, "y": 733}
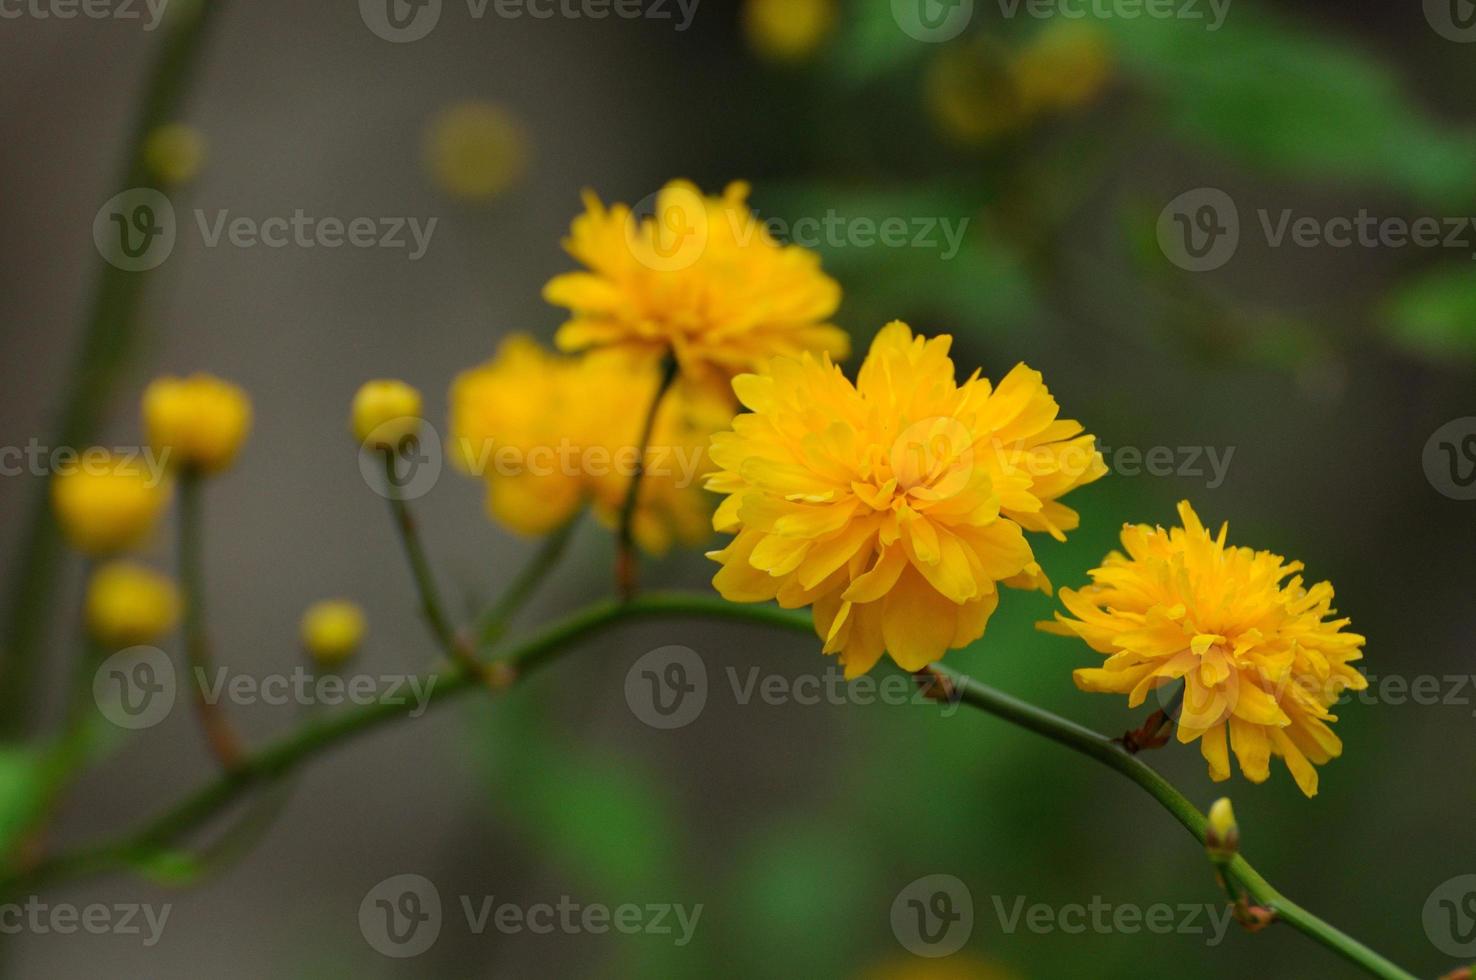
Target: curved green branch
{"x": 285, "y": 755}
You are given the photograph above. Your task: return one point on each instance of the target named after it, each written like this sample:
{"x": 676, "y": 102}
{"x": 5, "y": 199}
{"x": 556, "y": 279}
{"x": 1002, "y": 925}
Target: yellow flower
{"x": 174, "y": 153}
{"x": 1260, "y": 660}
{"x": 701, "y": 277}
{"x": 1222, "y": 837}
{"x": 550, "y": 433}
{"x": 788, "y": 30}
{"x": 107, "y": 502}
{"x": 199, "y": 421}
{"x": 385, "y": 413}
{"x": 129, "y": 604}
{"x": 1064, "y": 67}
{"x": 896, "y": 505}
{"x": 476, "y": 150}
{"x": 332, "y": 630}
{"x": 970, "y": 91}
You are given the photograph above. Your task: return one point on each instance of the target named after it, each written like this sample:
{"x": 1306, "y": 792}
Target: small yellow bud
{"x": 385, "y": 414}
{"x": 107, "y": 503}
{"x": 788, "y": 30}
{"x": 1066, "y": 66}
{"x": 199, "y": 421}
{"x": 332, "y": 630}
{"x": 174, "y": 153}
{"x": 128, "y": 604}
{"x": 476, "y": 150}
{"x": 1223, "y": 836}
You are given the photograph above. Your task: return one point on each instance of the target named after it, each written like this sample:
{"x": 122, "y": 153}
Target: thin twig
{"x": 494, "y": 622}
{"x": 627, "y": 570}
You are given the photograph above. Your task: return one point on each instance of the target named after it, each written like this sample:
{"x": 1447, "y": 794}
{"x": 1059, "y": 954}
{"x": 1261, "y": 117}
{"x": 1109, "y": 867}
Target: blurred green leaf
{"x": 1434, "y": 315}
{"x": 1279, "y": 97}
{"x": 23, "y": 786}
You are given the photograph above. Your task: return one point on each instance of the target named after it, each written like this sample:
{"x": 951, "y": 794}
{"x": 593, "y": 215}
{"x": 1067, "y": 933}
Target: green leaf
{"x": 22, "y": 794}
{"x": 1434, "y": 315}
{"x": 1278, "y": 97}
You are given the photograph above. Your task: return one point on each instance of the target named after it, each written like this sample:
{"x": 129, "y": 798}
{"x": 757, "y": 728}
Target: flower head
{"x": 788, "y": 30}
{"x": 701, "y": 278}
{"x": 332, "y": 630}
{"x": 476, "y": 150}
{"x": 385, "y": 414}
{"x": 200, "y": 421}
{"x": 894, "y": 506}
{"x": 1259, "y": 657}
{"x": 551, "y": 433}
{"x": 108, "y": 505}
{"x": 129, "y": 604}
{"x": 174, "y": 153}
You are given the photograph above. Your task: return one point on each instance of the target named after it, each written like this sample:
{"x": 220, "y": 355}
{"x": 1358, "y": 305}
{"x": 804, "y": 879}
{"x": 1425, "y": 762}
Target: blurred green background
{"x": 1325, "y": 371}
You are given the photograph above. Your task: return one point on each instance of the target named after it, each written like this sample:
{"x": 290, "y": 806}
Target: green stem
{"x": 495, "y": 621}
{"x": 106, "y": 342}
{"x": 626, "y": 572}
{"x": 224, "y": 743}
{"x": 283, "y": 756}
{"x": 420, "y": 570}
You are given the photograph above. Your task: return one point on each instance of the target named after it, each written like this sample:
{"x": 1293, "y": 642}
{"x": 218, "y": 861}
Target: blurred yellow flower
{"x": 107, "y": 502}
{"x": 476, "y": 150}
{"x": 701, "y": 278}
{"x": 174, "y": 153}
{"x": 788, "y": 30}
{"x": 385, "y": 413}
{"x": 550, "y": 433}
{"x": 1260, "y": 660}
{"x": 200, "y": 421}
{"x": 896, "y": 505}
{"x": 1064, "y": 67}
{"x": 332, "y": 630}
{"x": 970, "y": 91}
{"x": 128, "y": 604}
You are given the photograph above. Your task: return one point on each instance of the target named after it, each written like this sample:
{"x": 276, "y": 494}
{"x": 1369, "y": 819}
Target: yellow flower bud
{"x": 129, "y": 604}
{"x": 1223, "y": 837}
{"x": 788, "y": 30}
{"x": 476, "y": 150}
{"x": 1065, "y": 67}
{"x": 174, "y": 153}
{"x": 332, "y": 630}
{"x": 199, "y": 421}
{"x": 385, "y": 414}
{"x": 107, "y": 503}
